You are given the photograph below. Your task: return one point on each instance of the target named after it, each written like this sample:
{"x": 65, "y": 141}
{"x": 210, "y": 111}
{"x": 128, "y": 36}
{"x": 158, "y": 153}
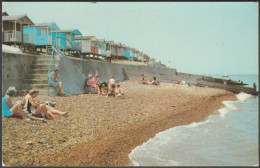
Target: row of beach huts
{"x": 20, "y": 30}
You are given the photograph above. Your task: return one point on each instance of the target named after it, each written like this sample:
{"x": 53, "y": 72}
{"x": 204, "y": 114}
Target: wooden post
{"x": 15, "y": 33}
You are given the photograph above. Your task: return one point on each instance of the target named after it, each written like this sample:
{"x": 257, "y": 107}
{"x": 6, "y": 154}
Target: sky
{"x": 196, "y": 37}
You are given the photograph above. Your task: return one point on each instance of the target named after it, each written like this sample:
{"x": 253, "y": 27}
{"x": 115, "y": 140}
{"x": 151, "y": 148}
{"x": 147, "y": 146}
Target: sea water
{"x": 228, "y": 137}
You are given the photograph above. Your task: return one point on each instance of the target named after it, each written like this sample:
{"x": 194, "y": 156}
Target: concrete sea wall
{"x": 15, "y": 67}
{"x": 73, "y": 77}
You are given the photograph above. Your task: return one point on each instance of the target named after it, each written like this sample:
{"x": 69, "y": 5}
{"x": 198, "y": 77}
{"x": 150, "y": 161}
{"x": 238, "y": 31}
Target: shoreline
{"x": 111, "y": 144}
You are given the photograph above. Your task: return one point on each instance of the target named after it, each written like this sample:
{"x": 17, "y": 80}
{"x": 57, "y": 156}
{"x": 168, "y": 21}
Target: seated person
{"x": 103, "y": 90}
{"x": 26, "y": 96}
{"x": 97, "y": 81}
{"x": 40, "y": 109}
{"x": 154, "y": 82}
{"x": 119, "y": 92}
{"x": 10, "y": 110}
{"x": 142, "y": 80}
{"x": 54, "y": 82}
{"x": 112, "y": 91}
{"x": 92, "y": 84}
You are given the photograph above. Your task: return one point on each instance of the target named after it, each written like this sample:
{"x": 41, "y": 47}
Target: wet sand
{"x": 102, "y": 131}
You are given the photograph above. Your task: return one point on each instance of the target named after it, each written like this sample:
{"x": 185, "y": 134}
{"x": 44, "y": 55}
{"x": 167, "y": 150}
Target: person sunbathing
{"x": 142, "y": 80}
{"x": 14, "y": 110}
{"x": 119, "y": 92}
{"x": 112, "y": 91}
{"x": 37, "y": 109}
{"x": 50, "y": 107}
{"x": 154, "y": 82}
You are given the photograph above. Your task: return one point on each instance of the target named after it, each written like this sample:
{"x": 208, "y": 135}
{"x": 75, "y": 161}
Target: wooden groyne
{"x": 233, "y": 88}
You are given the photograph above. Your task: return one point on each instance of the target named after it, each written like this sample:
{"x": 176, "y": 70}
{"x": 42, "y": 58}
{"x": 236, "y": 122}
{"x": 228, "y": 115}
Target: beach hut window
{"x": 43, "y": 31}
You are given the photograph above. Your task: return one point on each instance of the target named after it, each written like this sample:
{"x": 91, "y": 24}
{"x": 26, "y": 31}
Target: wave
{"x": 243, "y": 96}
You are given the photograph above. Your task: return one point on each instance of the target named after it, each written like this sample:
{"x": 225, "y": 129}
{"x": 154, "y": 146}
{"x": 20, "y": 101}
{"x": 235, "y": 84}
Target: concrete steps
{"x": 35, "y": 81}
{"x": 40, "y": 71}
{"x": 38, "y": 79}
{"x": 41, "y": 66}
{"x": 37, "y": 76}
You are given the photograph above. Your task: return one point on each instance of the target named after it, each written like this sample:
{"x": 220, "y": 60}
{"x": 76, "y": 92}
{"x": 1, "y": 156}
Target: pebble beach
{"x": 102, "y": 131}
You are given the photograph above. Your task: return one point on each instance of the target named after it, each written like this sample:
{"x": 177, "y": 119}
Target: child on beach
{"x": 142, "y": 80}
{"x": 154, "y": 82}
{"x": 119, "y": 92}
{"x": 103, "y": 90}
{"x": 112, "y": 91}
{"x": 111, "y": 81}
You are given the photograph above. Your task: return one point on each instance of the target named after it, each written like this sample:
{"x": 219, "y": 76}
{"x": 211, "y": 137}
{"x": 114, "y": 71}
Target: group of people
{"x": 144, "y": 81}
{"x": 104, "y": 89}
{"x": 28, "y": 108}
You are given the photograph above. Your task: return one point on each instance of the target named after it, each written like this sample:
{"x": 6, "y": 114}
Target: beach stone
{"x": 41, "y": 141}
{"x": 29, "y": 143}
{"x": 50, "y": 146}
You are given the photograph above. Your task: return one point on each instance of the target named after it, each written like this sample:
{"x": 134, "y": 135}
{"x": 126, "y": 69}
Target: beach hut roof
{"x": 110, "y": 42}
{"x": 75, "y": 31}
{"x": 102, "y": 40}
{"x": 45, "y": 24}
{"x": 5, "y": 14}
{"x": 22, "y": 18}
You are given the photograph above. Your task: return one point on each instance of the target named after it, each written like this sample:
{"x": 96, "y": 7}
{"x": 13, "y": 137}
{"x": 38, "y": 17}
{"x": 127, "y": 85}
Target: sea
{"x": 228, "y": 137}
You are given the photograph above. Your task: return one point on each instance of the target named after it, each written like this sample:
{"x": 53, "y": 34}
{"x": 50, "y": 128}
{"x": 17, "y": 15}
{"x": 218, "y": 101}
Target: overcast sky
{"x": 197, "y": 37}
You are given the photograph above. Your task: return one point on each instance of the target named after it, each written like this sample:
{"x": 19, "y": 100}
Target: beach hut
{"x": 102, "y": 47}
{"x": 68, "y": 39}
{"x": 12, "y": 30}
{"x": 116, "y": 50}
{"x": 90, "y": 45}
{"x": 135, "y": 54}
{"x": 39, "y": 34}
{"x": 139, "y": 56}
{"x": 128, "y": 53}
{"x": 123, "y": 52}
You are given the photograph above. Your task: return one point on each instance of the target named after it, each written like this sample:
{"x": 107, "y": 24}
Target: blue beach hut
{"x": 128, "y": 53}
{"x": 69, "y": 39}
{"x": 39, "y": 34}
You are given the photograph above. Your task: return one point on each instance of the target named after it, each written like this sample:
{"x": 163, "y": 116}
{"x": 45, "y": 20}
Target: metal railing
{"x": 58, "y": 47}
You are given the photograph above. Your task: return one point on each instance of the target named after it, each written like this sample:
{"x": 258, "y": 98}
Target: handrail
{"x": 56, "y": 48}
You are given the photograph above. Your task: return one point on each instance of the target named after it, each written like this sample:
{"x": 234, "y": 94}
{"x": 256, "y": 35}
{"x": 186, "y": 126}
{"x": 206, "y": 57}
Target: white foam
{"x": 136, "y": 163}
{"x": 243, "y": 96}
{"x": 223, "y": 112}
{"x": 193, "y": 125}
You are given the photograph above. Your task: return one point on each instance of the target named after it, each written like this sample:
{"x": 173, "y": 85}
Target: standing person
{"x": 40, "y": 109}
{"x": 111, "y": 82}
{"x": 9, "y": 109}
{"x": 54, "y": 82}
{"x": 109, "y": 56}
{"x": 97, "y": 81}
{"x": 254, "y": 86}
